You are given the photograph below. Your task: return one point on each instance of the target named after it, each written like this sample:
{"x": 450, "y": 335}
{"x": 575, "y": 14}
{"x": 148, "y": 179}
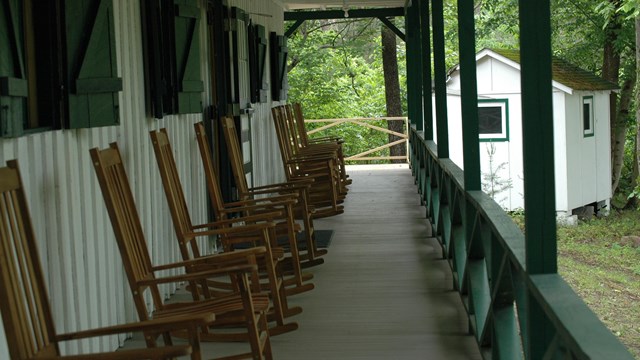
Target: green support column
{"x": 440, "y": 71}
{"x": 414, "y": 66}
{"x": 537, "y": 129}
{"x": 427, "y": 106}
{"x": 539, "y": 188}
{"x": 469, "y": 95}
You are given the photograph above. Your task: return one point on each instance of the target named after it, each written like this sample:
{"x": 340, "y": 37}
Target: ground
{"x": 600, "y": 259}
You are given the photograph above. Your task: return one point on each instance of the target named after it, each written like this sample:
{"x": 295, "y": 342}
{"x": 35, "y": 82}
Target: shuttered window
{"x": 258, "y": 63}
{"x": 91, "y": 52}
{"x": 57, "y": 65}
{"x": 13, "y": 78}
{"x": 279, "y": 54}
{"x": 172, "y": 57}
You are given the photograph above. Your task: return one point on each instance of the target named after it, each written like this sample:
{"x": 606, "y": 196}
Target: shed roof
{"x": 566, "y": 73}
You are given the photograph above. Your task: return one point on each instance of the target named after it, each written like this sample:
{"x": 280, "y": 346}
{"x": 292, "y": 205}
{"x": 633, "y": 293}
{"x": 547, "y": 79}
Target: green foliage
{"x": 336, "y": 72}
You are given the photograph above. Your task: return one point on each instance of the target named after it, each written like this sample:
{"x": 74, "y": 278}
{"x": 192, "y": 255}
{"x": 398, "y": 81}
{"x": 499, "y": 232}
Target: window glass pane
{"x": 586, "y": 110}
{"x": 490, "y": 120}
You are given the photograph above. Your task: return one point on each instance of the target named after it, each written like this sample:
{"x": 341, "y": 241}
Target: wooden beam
{"x": 293, "y": 28}
{"x": 339, "y": 14}
{"x": 393, "y": 27}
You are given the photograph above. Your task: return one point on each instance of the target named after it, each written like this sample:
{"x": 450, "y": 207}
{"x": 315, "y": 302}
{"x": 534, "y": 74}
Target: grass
{"x": 605, "y": 271}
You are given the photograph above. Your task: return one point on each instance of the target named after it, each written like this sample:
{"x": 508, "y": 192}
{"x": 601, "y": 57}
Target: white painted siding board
{"x": 560, "y": 152}
{"x": 603, "y": 158}
{"x": 78, "y": 249}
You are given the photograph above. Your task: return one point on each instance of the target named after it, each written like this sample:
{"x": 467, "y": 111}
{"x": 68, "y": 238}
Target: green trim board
{"x": 588, "y": 124}
{"x": 485, "y": 133}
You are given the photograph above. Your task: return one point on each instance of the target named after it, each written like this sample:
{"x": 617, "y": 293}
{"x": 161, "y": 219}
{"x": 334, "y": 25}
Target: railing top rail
{"x": 502, "y": 298}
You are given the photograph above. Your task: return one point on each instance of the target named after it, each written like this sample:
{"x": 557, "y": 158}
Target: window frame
{"x": 588, "y": 100}
{"x": 503, "y": 104}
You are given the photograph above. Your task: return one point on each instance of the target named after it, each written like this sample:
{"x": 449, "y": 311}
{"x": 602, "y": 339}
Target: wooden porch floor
{"x": 383, "y": 292}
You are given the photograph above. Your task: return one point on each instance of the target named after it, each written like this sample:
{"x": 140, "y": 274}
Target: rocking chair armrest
{"x": 312, "y": 157}
{"x": 200, "y": 275}
{"x": 153, "y": 326}
{"x": 294, "y": 183}
{"x": 248, "y": 228}
{"x": 250, "y": 204}
{"x": 308, "y": 162}
{"x": 214, "y": 259}
{"x": 281, "y": 197}
{"x": 228, "y": 223}
{"x": 326, "y": 139}
{"x": 281, "y": 187}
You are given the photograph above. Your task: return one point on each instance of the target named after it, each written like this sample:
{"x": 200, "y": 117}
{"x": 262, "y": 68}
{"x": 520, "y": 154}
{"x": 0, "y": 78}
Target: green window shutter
{"x": 279, "y": 54}
{"x": 258, "y": 62}
{"x": 262, "y": 62}
{"x": 13, "y": 82}
{"x": 187, "y": 44}
{"x": 91, "y": 62}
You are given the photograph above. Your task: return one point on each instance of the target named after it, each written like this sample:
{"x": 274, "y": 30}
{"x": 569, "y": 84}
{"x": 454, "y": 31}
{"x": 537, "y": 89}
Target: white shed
{"x": 581, "y": 131}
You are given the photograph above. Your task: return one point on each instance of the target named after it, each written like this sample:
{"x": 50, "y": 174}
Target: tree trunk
{"x": 636, "y": 158}
{"x": 392, "y": 90}
{"x": 619, "y": 131}
{"x": 611, "y": 72}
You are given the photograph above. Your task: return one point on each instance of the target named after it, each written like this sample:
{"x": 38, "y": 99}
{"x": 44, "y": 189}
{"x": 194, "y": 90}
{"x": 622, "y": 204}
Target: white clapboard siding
{"x": 83, "y": 269}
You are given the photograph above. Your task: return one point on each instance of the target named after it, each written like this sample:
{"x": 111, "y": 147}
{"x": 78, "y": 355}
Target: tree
{"x": 392, "y": 89}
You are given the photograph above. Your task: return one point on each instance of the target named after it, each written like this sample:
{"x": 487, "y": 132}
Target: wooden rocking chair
{"x": 326, "y": 190}
{"x": 186, "y": 231}
{"x": 24, "y": 304}
{"x": 140, "y": 272}
{"x": 304, "y": 211}
{"x": 323, "y": 144}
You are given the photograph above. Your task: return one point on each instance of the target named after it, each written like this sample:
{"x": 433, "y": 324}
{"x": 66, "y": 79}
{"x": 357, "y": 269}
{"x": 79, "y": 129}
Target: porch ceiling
{"x": 350, "y": 4}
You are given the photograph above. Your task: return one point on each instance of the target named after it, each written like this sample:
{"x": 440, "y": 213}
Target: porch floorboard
{"x": 384, "y": 292}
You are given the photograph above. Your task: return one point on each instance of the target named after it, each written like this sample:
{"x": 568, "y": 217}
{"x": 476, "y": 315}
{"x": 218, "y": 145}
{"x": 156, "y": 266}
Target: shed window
{"x": 493, "y": 123}
{"x": 587, "y": 116}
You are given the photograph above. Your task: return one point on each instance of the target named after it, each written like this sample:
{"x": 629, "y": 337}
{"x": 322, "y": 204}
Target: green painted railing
{"x": 490, "y": 273}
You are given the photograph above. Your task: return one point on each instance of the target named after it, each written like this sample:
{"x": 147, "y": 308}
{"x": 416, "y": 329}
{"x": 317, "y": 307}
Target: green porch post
{"x": 440, "y": 71}
{"x": 539, "y": 189}
{"x": 414, "y": 66}
{"x": 470, "y": 141}
{"x": 469, "y": 95}
{"x": 427, "y": 106}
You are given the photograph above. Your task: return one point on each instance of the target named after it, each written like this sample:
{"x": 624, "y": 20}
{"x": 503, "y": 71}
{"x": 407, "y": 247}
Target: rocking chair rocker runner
{"x": 186, "y": 231}
{"x": 25, "y": 307}
{"x": 141, "y": 273}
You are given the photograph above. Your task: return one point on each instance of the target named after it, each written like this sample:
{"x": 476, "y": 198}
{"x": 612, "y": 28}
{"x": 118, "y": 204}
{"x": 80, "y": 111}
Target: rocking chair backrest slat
{"x": 125, "y": 221}
{"x": 174, "y": 193}
{"x": 23, "y": 298}
{"x": 235, "y": 156}
{"x": 215, "y": 194}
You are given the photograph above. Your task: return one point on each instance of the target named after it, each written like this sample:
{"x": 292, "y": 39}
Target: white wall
{"x": 582, "y": 164}
{"x": 84, "y": 274}
{"x": 588, "y": 159}
{"x": 495, "y": 81}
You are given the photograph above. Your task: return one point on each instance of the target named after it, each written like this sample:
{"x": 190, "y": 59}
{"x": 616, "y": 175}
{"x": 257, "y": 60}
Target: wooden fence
{"x": 367, "y": 123}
